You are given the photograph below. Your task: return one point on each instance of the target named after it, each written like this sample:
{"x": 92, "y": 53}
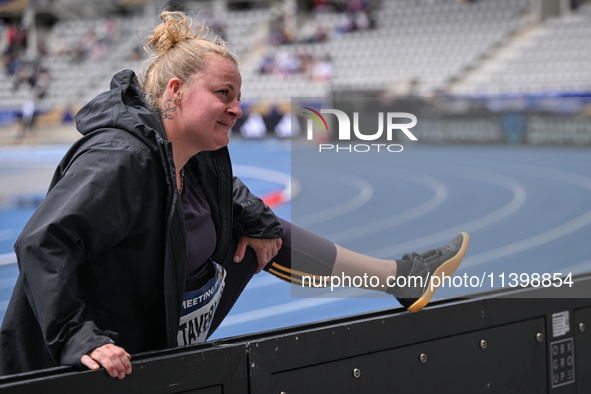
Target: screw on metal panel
{"x": 423, "y": 358}
{"x": 483, "y": 344}
{"x": 539, "y": 337}
{"x": 283, "y": 392}
{"x": 356, "y": 373}
{"x": 582, "y": 327}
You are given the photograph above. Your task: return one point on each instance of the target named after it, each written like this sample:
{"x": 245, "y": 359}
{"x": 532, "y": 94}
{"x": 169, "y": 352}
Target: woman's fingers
{"x": 240, "y": 249}
{"x": 89, "y": 362}
{"x": 265, "y": 250}
{"x": 113, "y": 358}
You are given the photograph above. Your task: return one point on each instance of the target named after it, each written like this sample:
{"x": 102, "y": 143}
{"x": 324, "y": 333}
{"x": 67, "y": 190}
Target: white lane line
{"x": 519, "y": 197}
{"x": 276, "y": 310}
{"x": 7, "y": 258}
{"x": 24, "y": 164}
{"x": 35, "y": 153}
{"x": 314, "y": 302}
{"x": 282, "y": 309}
{"x": 365, "y": 194}
{"x": 546, "y": 236}
{"x": 267, "y": 280}
{"x": 441, "y": 193}
{"x": 576, "y": 269}
{"x": 291, "y": 187}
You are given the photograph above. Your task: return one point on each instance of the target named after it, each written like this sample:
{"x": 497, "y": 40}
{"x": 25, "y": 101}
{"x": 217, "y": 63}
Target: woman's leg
{"x": 306, "y": 257}
{"x": 316, "y": 259}
{"x": 312, "y": 256}
{"x": 302, "y": 254}
{"x": 237, "y": 277}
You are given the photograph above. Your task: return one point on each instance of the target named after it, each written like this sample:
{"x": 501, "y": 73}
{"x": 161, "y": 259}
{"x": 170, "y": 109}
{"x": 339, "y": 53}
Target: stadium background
{"x": 521, "y": 65}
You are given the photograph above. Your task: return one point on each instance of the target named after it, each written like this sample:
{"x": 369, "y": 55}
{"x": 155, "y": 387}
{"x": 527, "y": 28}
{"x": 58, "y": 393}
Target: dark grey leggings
{"x": 314, "y": 255}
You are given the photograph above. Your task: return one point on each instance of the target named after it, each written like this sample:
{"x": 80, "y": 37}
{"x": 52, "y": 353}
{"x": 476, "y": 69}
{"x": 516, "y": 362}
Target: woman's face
{"x": 209, "y": 108}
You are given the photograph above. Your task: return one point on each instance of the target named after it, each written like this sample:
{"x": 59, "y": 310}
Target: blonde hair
{"x": 178, "y": 52}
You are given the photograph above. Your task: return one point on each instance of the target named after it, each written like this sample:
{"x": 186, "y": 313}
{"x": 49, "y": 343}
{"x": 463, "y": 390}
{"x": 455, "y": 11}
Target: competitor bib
{"x": 198, "y": 309}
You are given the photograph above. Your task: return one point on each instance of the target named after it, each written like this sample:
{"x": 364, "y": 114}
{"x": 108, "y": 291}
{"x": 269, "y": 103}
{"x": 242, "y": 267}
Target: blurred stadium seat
{"x": 411, "y": 47}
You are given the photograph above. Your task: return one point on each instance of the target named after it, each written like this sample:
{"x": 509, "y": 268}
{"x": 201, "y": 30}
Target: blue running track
{"x": 527, "y": 210}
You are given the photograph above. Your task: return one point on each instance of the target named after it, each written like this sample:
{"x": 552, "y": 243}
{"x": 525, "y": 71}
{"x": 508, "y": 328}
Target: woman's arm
{"x": 252, "y": 217}
{"x": 256, "y": 226}
{"x": 90, "y": 207}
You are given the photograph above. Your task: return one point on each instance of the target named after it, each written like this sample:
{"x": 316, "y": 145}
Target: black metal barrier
{"x": 533, "y": 340}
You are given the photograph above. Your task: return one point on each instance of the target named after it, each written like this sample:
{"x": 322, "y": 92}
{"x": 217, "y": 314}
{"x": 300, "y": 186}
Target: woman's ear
{"x": 173, "y": 88}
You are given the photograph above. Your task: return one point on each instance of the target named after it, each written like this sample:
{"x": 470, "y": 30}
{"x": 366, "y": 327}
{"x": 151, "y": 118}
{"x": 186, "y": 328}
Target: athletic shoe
{"x": 441, "y": 262}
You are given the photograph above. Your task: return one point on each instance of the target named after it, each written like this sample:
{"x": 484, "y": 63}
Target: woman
{"x": 145, "y": 240}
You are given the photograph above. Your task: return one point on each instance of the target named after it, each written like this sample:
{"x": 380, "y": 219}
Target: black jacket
{"x": 103, "y": 259}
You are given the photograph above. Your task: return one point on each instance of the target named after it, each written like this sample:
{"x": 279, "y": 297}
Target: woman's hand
{"x": 265, "y": 250}
{"x": 113, "y": 358}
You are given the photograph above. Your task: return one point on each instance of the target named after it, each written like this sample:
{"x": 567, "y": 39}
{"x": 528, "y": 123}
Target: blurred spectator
{"x": 362, "y": 21}
{"x": 286, "y": 63}
{"x": 28, "y": 118}
{"x": 21, "y": 36}
{"x": 77, "y": 54}
{"x": 16, "y": 39}
{"x": 98, "y": 51}
{"x": 12, "y": 63}
{"x": 313, "y": 32}
{"x": 289, "y": 19}
{"x": 94, "y": 45}
{"x": 322, "y": 6}
{"x": 300, "y": 62}
{"x": 287, "y": 127}
{"x": 107, "y": 31}
{"x": 42, "y": 82}
{"x": 60, "y": 47}
{"x": 24, "y": 73}
{"x": 11, "y": 33}
{"x": 254, "y": 126}
{"x": 323, "y": 69}
{"x": 354, "y": 14}
{"x": 306, "y": 60}
{"x": 355, "y": 6}
{"x": 89, "y": 40}
{"x": 267, "y": 64}
{"x": 284, "y": 128}
{"x": 278, "y": 36}
{"x": 284, "y": 28}
{"x": 346, "y": 23}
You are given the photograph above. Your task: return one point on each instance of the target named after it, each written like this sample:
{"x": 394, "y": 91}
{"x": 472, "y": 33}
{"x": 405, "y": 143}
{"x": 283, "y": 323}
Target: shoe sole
{"x": 447, "y": 268}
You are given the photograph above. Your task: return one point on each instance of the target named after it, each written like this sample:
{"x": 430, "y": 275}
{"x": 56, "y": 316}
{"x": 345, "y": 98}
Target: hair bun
{"x": 177, "y": 52}
{"x": 175, "y": 27}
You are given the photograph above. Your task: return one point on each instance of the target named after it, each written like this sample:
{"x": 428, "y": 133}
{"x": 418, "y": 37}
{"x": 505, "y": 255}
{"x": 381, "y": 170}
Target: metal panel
{"x": 274, "y": 353}
{"x": 206, "y": 371}
{"x": 505, "y": 359}
{"x": 375, "y": 352}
